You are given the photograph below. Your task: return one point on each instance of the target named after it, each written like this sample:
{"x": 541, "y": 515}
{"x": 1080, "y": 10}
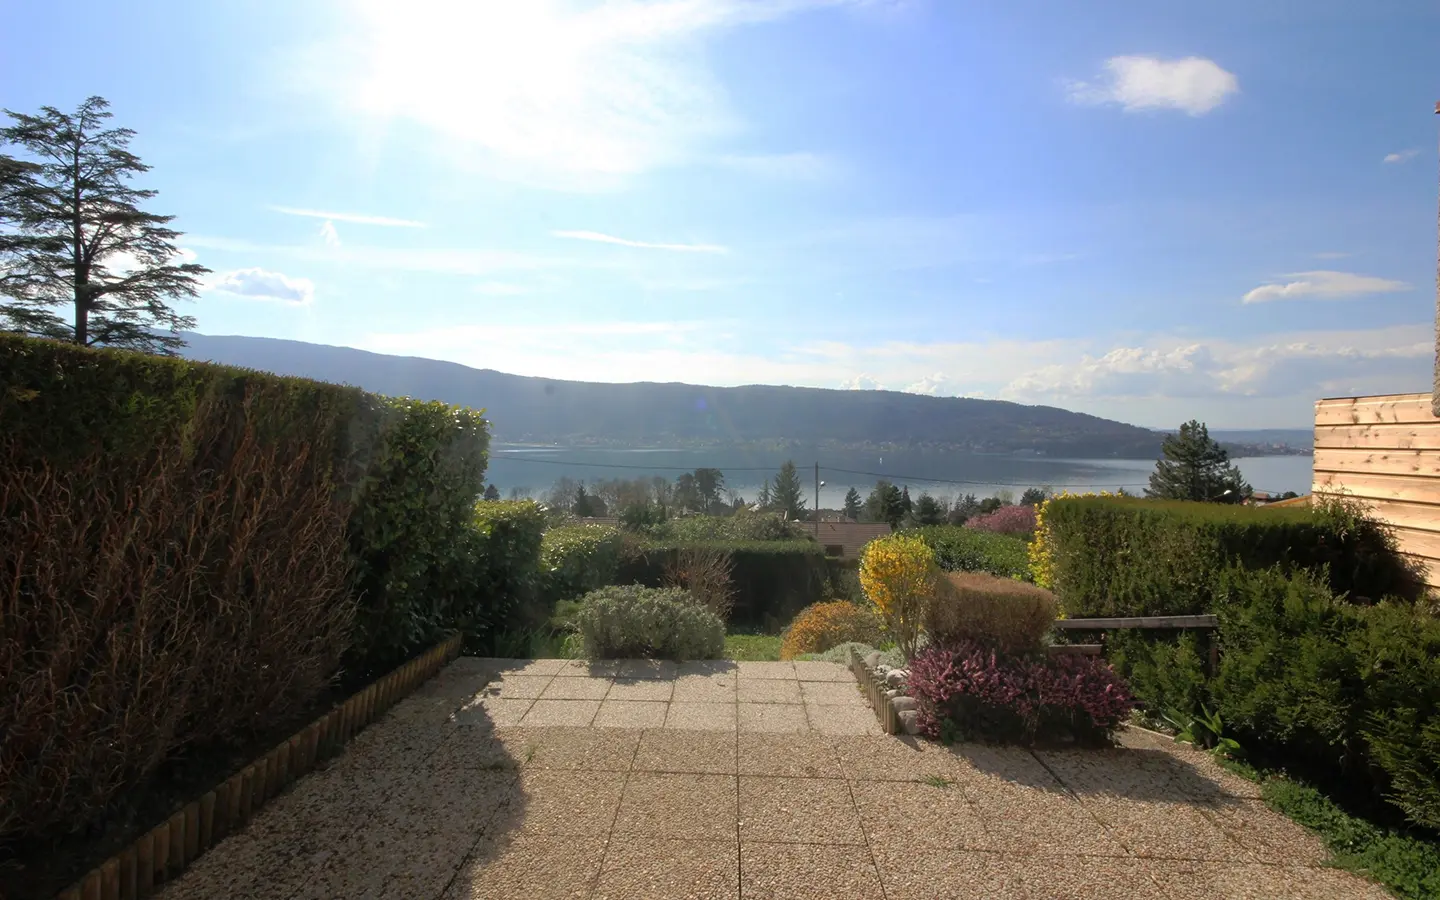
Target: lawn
{"x": 752, "y": 646}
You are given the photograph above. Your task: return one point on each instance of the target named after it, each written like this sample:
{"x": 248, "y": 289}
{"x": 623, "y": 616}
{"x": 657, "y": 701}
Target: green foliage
{"x": 890, "y": 656}
{"x": 742, "y": 526}
{"x": 771, "y": 580}
{"x": 1166, "y": 672}
{"x": 411, "y": 534}
{"x": 854, "y": 506}
{"x": 1033, "y": 496}
{"x": 576, "y": 559}
{"x": 1195, "y": 467}
{"x": 631, "y": 621}
{"x": 504, "y": 589}
{"x": 1204, "y": 729}
{"x": 960, "y": 549}
{"x": 928, "y": 511}
{"x": 1118, "y": 556}
{"x": 643, "y": 517}
{"x": 787, "y": 494}
{"x": 756, "y": 647}
{"x": 885, "y": 504}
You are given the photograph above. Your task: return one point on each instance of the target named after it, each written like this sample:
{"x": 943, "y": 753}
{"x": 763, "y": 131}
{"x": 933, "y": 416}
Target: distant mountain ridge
{"x": 545, "y": 410}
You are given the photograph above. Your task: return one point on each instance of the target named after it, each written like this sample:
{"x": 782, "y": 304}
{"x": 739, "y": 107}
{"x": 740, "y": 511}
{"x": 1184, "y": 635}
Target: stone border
{"x": 167, "y": 849}
{"x": 875, "y": 689}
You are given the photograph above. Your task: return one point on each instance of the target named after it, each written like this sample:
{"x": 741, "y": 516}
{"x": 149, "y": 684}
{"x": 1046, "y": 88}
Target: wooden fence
{"x": 1385, "y": 452}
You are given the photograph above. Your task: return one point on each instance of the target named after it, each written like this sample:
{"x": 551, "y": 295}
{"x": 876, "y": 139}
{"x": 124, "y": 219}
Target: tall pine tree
{"x": 74, "y": 238}
{"x": 1195, "y": 467}
{"x": 788, "y": 495}
{"x": 853, "y": 504}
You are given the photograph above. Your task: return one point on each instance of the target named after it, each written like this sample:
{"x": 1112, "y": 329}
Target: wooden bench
{"x": 1145, "y": 623}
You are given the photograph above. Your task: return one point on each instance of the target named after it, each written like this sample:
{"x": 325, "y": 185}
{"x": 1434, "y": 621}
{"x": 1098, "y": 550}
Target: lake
{"x": 984, "y": 475}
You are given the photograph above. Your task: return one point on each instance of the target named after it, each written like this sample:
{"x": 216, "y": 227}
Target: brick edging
{"x": 875, "y": 693}
{"x": 162, "y": 853}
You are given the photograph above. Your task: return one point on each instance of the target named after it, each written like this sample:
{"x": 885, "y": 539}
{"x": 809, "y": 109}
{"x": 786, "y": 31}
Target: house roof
{"x": 851, "y": 537}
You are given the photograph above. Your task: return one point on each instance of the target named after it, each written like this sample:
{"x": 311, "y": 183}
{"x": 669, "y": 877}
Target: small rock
{"x": 895, "y": 678}
{"x": 892, "y": 693}
{"x": 872, "y": 659}
{"x": 910, "y": 721}
{"x": 903, "y": 704}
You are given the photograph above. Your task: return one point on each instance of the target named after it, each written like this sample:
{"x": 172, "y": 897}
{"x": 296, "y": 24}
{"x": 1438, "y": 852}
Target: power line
{"x": 593, "y": 465}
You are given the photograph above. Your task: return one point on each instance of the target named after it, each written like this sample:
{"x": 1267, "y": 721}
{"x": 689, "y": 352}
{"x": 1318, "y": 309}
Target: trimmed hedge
{"x": 505, "y": 590}
{"x": 961, "y": 549}
{"x": 630, "y": 621}
{"x": 772, "y": 580}
{"x": 1118, "y": 556}
{"x": 188, "y": 551}
{"x": 576, "y": 559}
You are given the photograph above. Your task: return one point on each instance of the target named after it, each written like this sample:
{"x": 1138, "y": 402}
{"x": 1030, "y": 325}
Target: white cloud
{"x": 260, "y": 284}
{"x": 599, "y": 238}
{"x": 1194, "y": 85}
{"x": 561, "y": 94}
{"x": 933, "y": 385}
{"x": 434, "y": 260}
{"x": 861, "y": 382}
{"x": 352, "y": 218}
{"x": 1324, "y": 285}
{"x": 784, "y": 166}
{"x": 500, "y": 289}
{"x": 328, "y": 234}
{"x": 1402, "y": 156}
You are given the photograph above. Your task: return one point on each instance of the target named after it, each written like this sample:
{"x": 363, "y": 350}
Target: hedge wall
{"x": 189, "y": 551}
{"x": 773, "y": 580}
{"x": 1117, "y": 556}
{"x": 961, "y": 549}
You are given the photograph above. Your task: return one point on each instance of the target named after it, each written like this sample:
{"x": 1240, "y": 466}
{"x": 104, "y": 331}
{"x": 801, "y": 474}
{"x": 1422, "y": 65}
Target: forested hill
{"x": 647, "y": 414}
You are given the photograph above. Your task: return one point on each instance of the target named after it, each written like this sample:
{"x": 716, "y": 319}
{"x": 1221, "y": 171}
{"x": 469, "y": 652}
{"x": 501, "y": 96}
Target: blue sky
{"x": 1146, "y": 211}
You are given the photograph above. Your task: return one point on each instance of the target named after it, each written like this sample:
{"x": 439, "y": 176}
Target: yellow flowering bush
{"x": 898, "y": 574}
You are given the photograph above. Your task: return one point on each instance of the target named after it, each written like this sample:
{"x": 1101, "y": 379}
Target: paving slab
{"x": 635, "y": 779}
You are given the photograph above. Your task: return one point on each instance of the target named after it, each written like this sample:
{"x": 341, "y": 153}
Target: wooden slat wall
{"x": 1385, "y": 451}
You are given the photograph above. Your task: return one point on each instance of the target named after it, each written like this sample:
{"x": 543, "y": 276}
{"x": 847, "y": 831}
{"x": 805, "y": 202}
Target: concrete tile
{"x": 377, "y": 862}
{"x": 561, "y": 712}
{"x": 517, "y": 687}
{"x": 892, "y": 758}
{"x": 647, "y": 668}
{"x": 421, "y": 711}
{"x": 705, "y": 688}
{"x": 590, "y": 668}
{"x": 450, "y": 685}
{"x": 772, "y": 717}
{"x": 1266, "y": 835}
{"x": 801, "y": 872}
{"x": 701, "y": 716}
{"x": 566, "y": 687}
{"x": 798, "y": 810}
{"x": 478, "y": 664}
{"x": 329, "y": 795}
{"x": 767, "y": 690}
{"x": 394, "y": 746}
{"x": 1168, "y": 830}
{"x": 787, "y": 755}
{"x": 259, "y": 864}
{"x": 833, "y": 693}
{"x": 707, "y": 667}
{"x": 900, "y": 815}
{"x": 691, "y": 807}
{"x": 842, "y": 720}
{"x": 493, "y": 711}
{"x": 765, "y": 669}
{"x": 1042, "y": 878}
{"x": 1021, "y": 819}
{"x": 813, "y": 670}
{"x": 529, "y": 867}
{"x": 641, "y": 689}
{"x": 471, "y": 747}
{"x": 1257, "y": 882}
{"x": 555, "y": 802}
{"x": 651, "y": 869}
{"x": 699, "y": 752}
{"x": 923, "y": 873}
{"x": 1131, "y": 774}
{"x": 533, "y": 667}
{"x": 570, "y": 748}
{"x": 627, "y": 714}
{"x": 457, "y": 802}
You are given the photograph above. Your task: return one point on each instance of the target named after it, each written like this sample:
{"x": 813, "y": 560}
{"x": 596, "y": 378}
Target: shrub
{"x": 1166, "y": 672}
{"x": 1016, "y": 521}
{"x": 743, "y": 526}
{"x": 1003, "y": 613}
{"x": 1114, "y": 556}
{"x": 630, "y": 621}
{"x": 504, "y": 590}
{"x": 971, "y": 691}
{"x": 771, "y": 580}
{"x": 961, "y": 549}
{"x": 899, "y": 575}
{"x": 824, "y": 625}
{"x": 840, "y": 653}
{"x": 577, "y": 559}
{"x": 704, "y": 572}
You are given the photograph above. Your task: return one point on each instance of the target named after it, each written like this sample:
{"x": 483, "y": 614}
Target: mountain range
{"x": 527, "y": 409}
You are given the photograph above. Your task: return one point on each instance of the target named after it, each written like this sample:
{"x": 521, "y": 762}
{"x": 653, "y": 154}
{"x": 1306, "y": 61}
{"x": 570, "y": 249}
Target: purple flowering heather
{"x": 1016, "y": 520}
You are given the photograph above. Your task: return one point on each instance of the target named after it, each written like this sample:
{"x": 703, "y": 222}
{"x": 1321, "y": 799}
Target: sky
{"x": 1146, "y": 211}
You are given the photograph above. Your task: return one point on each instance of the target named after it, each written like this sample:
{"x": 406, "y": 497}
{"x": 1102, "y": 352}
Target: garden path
{"x": 544, "y": 779}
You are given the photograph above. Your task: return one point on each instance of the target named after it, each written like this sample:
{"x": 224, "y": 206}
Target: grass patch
{"x": 1406, "y": 864}
{"x": 752, "y": 646}
{"x": 937, "y": 781}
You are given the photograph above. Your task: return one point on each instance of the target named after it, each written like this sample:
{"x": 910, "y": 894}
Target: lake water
{"x": 983, "y": 475}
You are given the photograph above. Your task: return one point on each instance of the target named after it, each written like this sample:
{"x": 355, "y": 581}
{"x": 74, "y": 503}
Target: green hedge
{"x": 1340, "y": 692}
{"x": 961, "y": 549}
{"x": 505, "y": 591}
{"x": 1117, "y": 556}
{"x": 772, "y": 580}
{"x": 577, "y": 559}
{"x": 193, "y": 549}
